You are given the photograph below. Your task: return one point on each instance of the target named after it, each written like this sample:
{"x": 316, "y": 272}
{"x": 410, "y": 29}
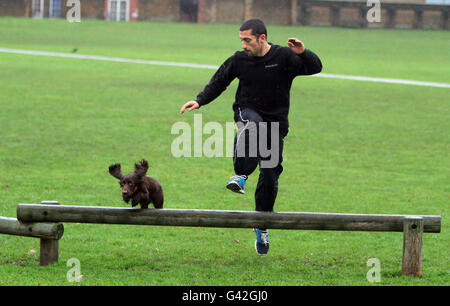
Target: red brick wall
{"x": 349, "y": 17}
{"x": 159, "y": 10}
{"x": 272, "y": 12}
{"x": 15, "y": 8}
{"x": 432, "y": 19}
{"x": 321, "y": 16}
{"x": 235, "y": 11}
{"x": 404, "y": 18}
{"x": 229, "y": 11}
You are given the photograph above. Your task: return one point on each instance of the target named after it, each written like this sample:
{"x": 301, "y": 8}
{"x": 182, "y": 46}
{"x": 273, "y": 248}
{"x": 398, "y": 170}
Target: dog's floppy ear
{"x": 116, "y": 171}
{"x": 141, "y": 168}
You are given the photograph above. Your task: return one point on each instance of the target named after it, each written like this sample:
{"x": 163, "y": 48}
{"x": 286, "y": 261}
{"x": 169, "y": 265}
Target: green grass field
{"x": 353, "y": 147}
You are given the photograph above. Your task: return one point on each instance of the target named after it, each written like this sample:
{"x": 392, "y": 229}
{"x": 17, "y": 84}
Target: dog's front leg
{"x": 136, "y": 200}
{"x": 145, "y": 196}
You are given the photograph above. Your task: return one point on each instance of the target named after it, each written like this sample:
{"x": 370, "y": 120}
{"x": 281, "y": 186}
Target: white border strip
{"x": 199, "y": 66}
{"x": 105, "y": 58}
{"x": 383, "y": 80}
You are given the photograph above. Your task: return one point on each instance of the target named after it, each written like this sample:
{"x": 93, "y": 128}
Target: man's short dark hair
{"x": 256, "y": 25}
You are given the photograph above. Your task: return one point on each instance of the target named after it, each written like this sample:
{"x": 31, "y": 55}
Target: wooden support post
{"x": 444, "y": 19}
{"x": 248, "y": 9}
{"x": 294, "y": 9}
{"x": 49, "y": 248}
{"x": 49, "y": 251}
{"x": 412, "y": 246}
{"x": 335, "y": 11}
{"x": 363, "y": 23}
{"x": 305, "y": 13}
{"x": 418, "y": 23}
{"x": 391, "y": 12}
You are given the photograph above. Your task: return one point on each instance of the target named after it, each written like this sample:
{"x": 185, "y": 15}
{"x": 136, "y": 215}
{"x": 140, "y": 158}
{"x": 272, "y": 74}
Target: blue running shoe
{"x": 262, "y": 241}
{"x": 237, "y": 183}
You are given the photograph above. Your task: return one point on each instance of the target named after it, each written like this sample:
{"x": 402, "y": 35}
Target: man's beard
{"x": 253, "y": 53}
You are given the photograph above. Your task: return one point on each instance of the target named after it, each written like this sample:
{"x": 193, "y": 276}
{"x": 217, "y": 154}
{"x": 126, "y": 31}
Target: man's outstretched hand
{"x": 191, "y": 105}
{"x": 296, "y": 45}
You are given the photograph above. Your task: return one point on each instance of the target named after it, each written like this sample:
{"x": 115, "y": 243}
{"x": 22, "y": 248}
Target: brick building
{"x": 113, "y": 10}
{"x": 348, "y": 13}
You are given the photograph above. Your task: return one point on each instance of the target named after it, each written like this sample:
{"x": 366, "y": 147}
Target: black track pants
{"x": 258, "y": 142}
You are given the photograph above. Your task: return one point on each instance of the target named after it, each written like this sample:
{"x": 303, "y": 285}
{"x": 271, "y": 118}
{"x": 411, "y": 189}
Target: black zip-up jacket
{"x": 264, "y": 82}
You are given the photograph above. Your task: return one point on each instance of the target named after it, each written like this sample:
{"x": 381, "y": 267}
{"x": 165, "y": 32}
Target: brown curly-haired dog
{"x": 141, "y": 189}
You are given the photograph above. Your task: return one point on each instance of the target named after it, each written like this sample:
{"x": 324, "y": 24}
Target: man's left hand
{"x": 296, "y": 45}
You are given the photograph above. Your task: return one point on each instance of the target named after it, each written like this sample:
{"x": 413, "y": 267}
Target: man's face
{"x": 251, "y": 44}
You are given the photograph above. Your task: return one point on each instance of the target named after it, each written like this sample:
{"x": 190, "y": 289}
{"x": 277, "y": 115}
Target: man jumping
{"x": 265, "y": 72}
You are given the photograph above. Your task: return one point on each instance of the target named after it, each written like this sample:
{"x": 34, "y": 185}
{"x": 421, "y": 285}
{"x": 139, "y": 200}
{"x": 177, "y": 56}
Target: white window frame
{"x": 41, "y": 8}
{"x": 118, "y": 3}
{"x": 50, "y": 9}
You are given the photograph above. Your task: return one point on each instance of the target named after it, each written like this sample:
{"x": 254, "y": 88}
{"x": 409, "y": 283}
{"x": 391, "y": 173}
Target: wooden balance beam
{"x": 411, "y": 226}
{"x": 219, "y": 218}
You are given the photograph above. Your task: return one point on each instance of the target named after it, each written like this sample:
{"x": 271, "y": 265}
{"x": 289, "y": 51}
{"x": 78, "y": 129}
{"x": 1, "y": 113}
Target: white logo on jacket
{"x": 271, "y": 66}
